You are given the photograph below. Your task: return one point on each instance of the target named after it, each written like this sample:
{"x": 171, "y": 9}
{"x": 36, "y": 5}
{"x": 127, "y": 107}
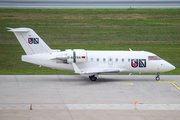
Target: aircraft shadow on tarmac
{"x": 105, "y": 79}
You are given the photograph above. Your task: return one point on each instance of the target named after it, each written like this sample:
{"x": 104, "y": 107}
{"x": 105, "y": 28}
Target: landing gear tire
{"x": 93, "y": 78}
{"x": 157, "y": 77}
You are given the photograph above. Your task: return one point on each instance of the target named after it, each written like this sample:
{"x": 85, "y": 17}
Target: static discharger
{"x": 135, "y": 104}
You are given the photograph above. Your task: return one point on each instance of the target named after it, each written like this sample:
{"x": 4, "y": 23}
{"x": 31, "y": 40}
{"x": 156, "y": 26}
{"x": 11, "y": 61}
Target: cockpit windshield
{"x": 154, "y": 58}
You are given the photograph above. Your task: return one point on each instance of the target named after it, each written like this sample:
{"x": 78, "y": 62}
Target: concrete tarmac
{"x": 75, "y": 97}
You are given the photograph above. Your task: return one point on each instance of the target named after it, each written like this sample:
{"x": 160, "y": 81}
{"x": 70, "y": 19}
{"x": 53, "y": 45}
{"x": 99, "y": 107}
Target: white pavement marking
{"x": 123, "y": 106}
{"x": 92, "y": 106}
{"x": 14, "y": 106}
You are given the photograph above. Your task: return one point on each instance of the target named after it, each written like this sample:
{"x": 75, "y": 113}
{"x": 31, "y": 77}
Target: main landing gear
{"x": 93, "y": 78}
{"x": 157, "y": 77}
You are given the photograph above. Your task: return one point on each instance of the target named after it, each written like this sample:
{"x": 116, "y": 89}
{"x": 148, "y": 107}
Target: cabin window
{"x": 122, "y": 59}
{"x": 104, "y": 60}
{"x": 110, "y": 59}
{"x": 129, "y": 60}
{"x": 97, "y": 59}
{"x": 116, "y": 59}
{"x": 91, "y": 59}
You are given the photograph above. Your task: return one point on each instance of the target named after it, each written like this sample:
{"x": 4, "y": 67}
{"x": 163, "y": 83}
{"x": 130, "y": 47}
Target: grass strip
{"x": 154, "y": 30}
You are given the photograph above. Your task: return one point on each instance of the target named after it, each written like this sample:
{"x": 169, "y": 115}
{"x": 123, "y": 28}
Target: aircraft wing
{"x": 101, "y": 71}
{"x": 95, "y": 70}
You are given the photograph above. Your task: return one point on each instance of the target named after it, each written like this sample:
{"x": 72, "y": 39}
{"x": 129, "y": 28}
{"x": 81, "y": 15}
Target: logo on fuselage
{"x": 138, "y": 62}
{"x": 33, "y": 40}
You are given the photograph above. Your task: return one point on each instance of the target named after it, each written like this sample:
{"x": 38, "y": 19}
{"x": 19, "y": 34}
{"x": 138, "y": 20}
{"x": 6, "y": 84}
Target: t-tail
{"x": 30, "y": 41}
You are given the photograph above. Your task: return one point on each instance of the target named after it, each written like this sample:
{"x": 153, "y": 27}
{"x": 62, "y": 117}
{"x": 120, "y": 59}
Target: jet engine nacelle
{"x": 79, "y": 56}
{"x": 73, "y": 56}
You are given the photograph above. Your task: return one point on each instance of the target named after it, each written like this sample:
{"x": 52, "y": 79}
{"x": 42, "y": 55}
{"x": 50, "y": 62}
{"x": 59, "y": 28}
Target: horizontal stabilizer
{"x": 22, "y": 30}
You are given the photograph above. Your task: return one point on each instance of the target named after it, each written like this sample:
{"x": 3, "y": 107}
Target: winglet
{"x": 130, "y": 49}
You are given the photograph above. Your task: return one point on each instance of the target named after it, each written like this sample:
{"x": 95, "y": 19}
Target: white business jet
{"x": 87, "y": 62}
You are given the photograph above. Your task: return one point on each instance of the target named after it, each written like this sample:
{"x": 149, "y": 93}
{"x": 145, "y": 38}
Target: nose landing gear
{"x": 157, "y": 77}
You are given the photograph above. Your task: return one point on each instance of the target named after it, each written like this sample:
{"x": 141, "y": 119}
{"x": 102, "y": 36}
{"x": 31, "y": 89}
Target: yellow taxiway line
{"x": 172, "y": 82}
{"x": 124, "y": 83}
{"x": 175, "y": 86}
{"x": 169, "y": 81}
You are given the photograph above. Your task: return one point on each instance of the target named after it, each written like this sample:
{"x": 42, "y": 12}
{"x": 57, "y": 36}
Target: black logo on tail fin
{"x": 36, "y": 40}
{"x": 30, "y": 40}
{"x": 33, "y": 40}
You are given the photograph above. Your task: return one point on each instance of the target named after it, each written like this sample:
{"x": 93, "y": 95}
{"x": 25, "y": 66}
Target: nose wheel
{"x": 93, "y": 78}
{"x": 157, "y": 77}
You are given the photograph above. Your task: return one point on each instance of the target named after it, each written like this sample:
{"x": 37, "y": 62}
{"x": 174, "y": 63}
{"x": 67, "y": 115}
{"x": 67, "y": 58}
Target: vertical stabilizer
{"x": 30, "y": 41}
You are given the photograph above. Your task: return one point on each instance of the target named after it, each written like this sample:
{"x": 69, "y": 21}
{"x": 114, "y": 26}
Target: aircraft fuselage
{"x": 90, "y": 62}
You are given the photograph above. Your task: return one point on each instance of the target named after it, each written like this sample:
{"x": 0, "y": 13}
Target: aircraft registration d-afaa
{"x": 88, "y": 62}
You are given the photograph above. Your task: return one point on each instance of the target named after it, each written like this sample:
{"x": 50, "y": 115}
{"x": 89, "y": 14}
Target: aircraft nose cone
{"x": 167, "y": 66}
{"x": 171, "y": 67}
